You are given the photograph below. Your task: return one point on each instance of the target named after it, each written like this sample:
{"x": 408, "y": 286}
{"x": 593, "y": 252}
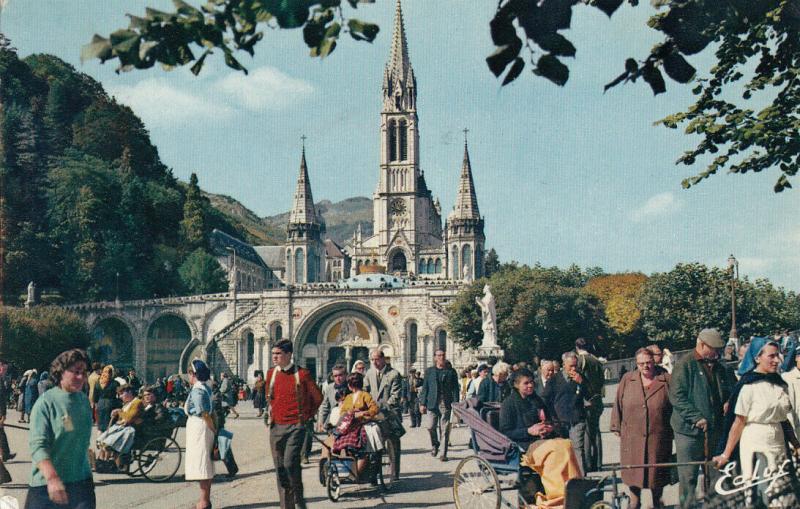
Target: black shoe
{"x": 435, "y": 451}
{"x": 10, "y": 457}
{"x": 443, "y": 458}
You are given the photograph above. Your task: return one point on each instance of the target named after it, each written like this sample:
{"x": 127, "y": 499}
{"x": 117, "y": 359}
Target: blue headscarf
{"x": 749, "y": 360}
{"x": 201, "y": 370}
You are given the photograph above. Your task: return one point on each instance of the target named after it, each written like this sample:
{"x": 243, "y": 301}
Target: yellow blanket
{"x": 556, "y": 463}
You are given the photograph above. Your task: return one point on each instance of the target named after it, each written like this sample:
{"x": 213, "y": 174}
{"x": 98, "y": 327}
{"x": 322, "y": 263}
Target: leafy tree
{"x": 201, "y": 273}
{"x": 676, "y": 305}
{"x": 755, "y": 44}
{"x": 540, "y": 311}
{"x": 32, "y": 338}
{"x": 619, "y": 294}
{"x": 491, "y": 263}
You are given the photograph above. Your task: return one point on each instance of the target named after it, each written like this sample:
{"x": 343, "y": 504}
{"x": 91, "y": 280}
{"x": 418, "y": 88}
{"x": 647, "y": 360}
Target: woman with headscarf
{"x": 31, "y": 391}
{"x": 23, "y": 383}
{"x": 105, "y": 397}
{"x": 44, "y": 383}
{"x": 359, "y": 366}
{"x": 758, "y": 412}
{"x": 200, "y": 432}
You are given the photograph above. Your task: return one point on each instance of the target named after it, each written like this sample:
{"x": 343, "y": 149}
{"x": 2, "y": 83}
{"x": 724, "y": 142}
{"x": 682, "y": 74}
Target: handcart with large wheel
{"x": 155, "y": 454}
{"x": 339, "y": 470}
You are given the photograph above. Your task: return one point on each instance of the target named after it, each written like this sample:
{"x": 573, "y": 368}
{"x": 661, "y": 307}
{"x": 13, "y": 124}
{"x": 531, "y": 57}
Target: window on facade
{"x": 289, "y": 278}
{"x": 454, "y": 271}
{"x": 402, "y": 138}
{"x": 392, "y": 141}
{"x": 278, "y": 333}
{"x": 412, "y": 342}
{"x": 251, "y": 348}
{"x": 298, "y": 266}
{"x": 441, "y": 341}
{"x": 438, "y": 266}
{"x": 422, "y": 267}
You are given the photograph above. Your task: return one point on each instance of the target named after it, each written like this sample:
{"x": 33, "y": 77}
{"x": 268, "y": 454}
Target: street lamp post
{"x": 733, "y": 267}
{"x": 116, "y": 298}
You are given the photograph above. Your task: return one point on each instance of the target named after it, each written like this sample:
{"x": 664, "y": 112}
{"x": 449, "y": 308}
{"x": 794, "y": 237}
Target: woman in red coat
{"x": 641, "y": 420}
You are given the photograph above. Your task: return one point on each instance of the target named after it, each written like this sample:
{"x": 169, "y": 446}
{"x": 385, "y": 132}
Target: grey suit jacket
{"x": 389, "y": 391}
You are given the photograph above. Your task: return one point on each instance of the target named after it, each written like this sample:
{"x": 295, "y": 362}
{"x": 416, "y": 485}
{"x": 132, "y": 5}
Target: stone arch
{"x": 398, "y": 260}
{"x": 311, "y": 327}
{"x": 440, "y": 338}
{"x": 194, "y": 349}
{"x": 275, "y": 329}
{"x": 168, "y": 335}
{"x": 113, "y": 342}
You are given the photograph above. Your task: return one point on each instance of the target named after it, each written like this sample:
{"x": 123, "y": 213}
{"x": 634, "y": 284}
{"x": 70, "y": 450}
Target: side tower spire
{"x": 304, "y": 232}
{"x": 464, "y": 227}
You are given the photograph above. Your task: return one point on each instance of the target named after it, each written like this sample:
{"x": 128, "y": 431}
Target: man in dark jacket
{"x": 591, "y": 369}
{"x": 566, "y": 394}
{"x": 414, "y": 385}
{"x": 439, "y": 392}
{"x": 496, "y": 388}
{"x": 699, "y": 390}
{"x": 5, "y": 452}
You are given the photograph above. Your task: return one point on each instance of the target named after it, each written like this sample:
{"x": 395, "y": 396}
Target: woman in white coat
{"x": 199, "y": 432}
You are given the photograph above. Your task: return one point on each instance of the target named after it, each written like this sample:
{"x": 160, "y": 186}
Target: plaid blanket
{"x": 354, "y": 441}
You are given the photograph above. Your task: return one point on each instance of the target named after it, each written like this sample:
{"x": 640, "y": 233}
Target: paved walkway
{"x": 425, "y": 481}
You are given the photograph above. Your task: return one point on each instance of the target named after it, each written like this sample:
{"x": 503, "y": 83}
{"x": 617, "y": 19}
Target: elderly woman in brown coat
{"x": 641, "y": 420}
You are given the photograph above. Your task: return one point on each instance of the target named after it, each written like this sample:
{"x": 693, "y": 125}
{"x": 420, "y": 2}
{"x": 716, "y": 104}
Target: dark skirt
{"x": 104, "y": 407}
{"x": 80, "y": 495}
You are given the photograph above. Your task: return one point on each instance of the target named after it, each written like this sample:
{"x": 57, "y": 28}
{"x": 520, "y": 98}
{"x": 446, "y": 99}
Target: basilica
{"x": 389, "y": 290}
{"x": 408, "y": 237}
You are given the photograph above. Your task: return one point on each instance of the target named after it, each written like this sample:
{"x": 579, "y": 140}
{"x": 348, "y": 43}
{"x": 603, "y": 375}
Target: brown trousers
{"x": 286, "y": 443}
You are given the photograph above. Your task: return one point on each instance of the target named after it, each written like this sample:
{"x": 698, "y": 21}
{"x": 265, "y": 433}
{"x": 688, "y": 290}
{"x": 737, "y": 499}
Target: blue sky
{"x": 564, "y": 175}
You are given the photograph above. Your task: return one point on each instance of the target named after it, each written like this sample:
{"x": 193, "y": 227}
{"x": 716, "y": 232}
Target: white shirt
{"x": 764, "y": 403}
{"x": 792, "y": 378}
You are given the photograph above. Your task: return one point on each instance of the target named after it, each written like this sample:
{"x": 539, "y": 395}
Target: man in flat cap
{"x": 699, "y": 391}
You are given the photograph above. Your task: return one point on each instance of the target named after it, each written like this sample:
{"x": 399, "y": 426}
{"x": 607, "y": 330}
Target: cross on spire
{"x": 303, "y": 141}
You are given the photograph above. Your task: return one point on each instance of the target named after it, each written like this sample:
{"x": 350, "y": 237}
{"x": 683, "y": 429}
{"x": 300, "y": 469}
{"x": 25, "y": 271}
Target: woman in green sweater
{"x": 61, "y": 428}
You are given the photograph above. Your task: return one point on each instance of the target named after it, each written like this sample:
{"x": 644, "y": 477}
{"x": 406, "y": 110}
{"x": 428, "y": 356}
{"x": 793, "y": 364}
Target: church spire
{"x": 303, "y": 211}
{"x": 466, "y": 201}
{"x": 399, "y": 83}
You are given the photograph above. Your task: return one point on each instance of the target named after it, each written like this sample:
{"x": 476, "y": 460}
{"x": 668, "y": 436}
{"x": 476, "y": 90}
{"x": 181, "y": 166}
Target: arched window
{"x": 299, "y": 269}
{"x": 278, "y": 333}
{"x": 478, "y": 261}
{"x": 438, "y": 265}
{"x": 392, "y": 140}
{"x": 251, "y": 348}
{"x": 422, "y": 267}
{"x": 402, "y": 136}
{"x": 398, "y": 262}
{"x": 430, "y": 266}
{"x": 366, "y": 262}
{"x": 466, "y": 259}
{"x": 455, "y": 271}
{"x": 441, "y": 340}
{"x": 412, "y": 342}
{"x": 312, "y": 265}
{"x": 289, "y": 275}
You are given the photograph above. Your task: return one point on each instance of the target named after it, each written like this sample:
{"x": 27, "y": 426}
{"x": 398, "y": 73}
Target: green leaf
{"x": 514, "y": 72}
{"x": 551, "y": 68}
{"x": 503, "y": 56}
{"x": 607, "y": 6}
{"x": 123, "y": 41}
{"x": 678, "y": 68}
{"x": 198, "y": 65}
{"x": 100, "y": 47}
{"x": 556, "y": 44}
{"x": 631, "y": 66}
{"x": 362, "y": 31}
{"x": 654, "y": 78}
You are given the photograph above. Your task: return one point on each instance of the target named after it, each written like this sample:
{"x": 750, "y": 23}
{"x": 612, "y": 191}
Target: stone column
{"x": 260, "y": 361}
{"x": 347, "y": 358}
{"x": 400, "y": 363}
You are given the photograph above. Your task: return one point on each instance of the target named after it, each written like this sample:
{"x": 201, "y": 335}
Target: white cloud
{"x": 661, "y": 204}
{"x": 265, "y": 88}
{"x": 159, "y": 103}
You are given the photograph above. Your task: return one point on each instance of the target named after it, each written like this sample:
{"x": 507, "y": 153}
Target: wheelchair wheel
{"x": 475, "y": 484}
{"x": 160, "y": 459}
{"x": 333, "y": 485}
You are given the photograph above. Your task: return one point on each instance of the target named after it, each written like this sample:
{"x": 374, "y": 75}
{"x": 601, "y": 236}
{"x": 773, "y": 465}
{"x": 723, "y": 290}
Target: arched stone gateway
{"x": 167, "y": 339}
{"x": 112, "y": 343}
{"x": 341, "y": 333}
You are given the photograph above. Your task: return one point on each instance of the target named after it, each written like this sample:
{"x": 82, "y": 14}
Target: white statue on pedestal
{"x": 489, "y": 317}
{"x": 31, "y": 300}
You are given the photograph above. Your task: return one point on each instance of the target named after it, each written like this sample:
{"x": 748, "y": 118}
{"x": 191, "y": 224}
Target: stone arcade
{"x": 335, "y": 303}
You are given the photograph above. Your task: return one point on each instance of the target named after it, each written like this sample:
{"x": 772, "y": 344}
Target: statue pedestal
{"x": 489, "y": 354}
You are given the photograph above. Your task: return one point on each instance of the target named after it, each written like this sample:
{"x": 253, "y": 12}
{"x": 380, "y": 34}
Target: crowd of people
{"x": 714, "y": 405}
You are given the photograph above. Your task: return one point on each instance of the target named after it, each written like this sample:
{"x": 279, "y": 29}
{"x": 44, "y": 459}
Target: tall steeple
{"x": 466, "y": 206}
{"x": 304, "y": 251}
{"x": 464, "y": 228}
{"x": 303, "y": 210}
{"x": 399, "y": 83}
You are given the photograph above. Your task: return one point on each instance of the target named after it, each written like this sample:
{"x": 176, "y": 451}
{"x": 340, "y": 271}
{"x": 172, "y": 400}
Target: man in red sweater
{"x": 293, "y": 399}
